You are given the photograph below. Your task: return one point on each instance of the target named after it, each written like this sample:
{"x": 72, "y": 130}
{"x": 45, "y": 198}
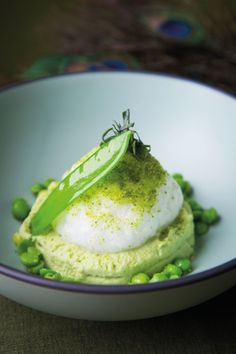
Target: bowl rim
{"x": 116, "y": 289}
{"x": 16, "y": 84}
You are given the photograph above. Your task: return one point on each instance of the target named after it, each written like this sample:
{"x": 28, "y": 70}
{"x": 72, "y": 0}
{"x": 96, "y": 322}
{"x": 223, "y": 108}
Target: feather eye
{"x": 171, "y": 24}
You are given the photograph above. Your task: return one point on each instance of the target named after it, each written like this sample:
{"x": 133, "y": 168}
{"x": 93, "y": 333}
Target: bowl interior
{"x": 48, "y": 124}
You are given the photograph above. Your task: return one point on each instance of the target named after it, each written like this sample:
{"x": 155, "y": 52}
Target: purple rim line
{"x": 115, "y": 289}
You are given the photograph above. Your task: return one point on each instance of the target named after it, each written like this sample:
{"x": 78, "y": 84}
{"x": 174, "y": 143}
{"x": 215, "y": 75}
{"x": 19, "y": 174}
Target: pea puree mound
{"x": 79, "y": 264}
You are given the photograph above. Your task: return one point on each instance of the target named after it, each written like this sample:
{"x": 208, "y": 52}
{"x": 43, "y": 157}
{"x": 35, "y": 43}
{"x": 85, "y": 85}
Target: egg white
{"x": 104, "y": 226}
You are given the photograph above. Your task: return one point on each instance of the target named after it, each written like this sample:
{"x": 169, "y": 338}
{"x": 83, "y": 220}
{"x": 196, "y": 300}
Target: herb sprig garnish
{"x": 117, "y": 129}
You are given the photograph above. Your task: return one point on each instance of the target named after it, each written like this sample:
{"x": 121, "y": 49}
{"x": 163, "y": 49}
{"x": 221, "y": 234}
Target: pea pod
{"x": 90, "y": 171}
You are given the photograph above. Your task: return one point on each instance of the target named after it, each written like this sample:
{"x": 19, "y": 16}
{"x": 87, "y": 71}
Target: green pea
{"x": 210, "y": 216}
{"x": 53, "y": 276}
{"x": 172, "y": 269}
{"x": 187, "y": 188}
{"x": 197, "y": 215}
{"x": 184, "y": 264}
{"x": 50, "y": 274}
{"x": 36, "y": 188}
{"x": 44, "y": 271}
{"x": 29, "y": 260}
{"x": 24, "y": 245}
{"x": 174, "y": 276}
{"x": 194, "y": 204}
{"x": 159, "y": 277}
{"x": 180, "y": 182}
{"x": 36, "y": 269}
{"x": 140, "y": 278}
{"x": 178, "y": 176}
{"x": 48, "y": 181}
{"x": 20, "y": 209}
{"x": 201, "y": 228}
{"x": 34, "y": 251}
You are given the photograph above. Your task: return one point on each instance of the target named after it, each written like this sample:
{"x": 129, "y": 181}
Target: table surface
{"x": 205, "y": 329}
{"x": 30, "y": 35}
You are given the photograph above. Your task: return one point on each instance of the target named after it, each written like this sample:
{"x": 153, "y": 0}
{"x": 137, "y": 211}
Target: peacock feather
{"x": 171, "y": 25}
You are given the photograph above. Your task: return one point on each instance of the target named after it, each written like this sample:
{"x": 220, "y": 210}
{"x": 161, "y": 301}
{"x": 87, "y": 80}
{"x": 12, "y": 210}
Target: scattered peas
{"x": 34, "y": 251}
{"x": 172, "y": 269}
{"x": 140, "y": 278}
{"x": 53, "y": 276}
{"x": 158, "y": 277}
{"x": 187, "y": 188}
{"x": 44, "y": 271}
{"x": 203, "y": 218}
{"x": 197, "y": 215}
{"x": 174, "y": 276}
{"x": 178, "y": 176}
{"x": 29, "y": 255}
{"x": 20, "y": 209}
{"x": 194, "y": 204}
{"x": 29, "y": 260}
{"x": 201, "y": 228}
{"x": 36, "y": 188}
{"x": 36, "y": 269}
{"x": 24, "y": 245}
{"x": 210, "y": 216}
{"x": 180, "y": 182}
{"x": 48, "y": 181}
{"x": 184, "y": 264}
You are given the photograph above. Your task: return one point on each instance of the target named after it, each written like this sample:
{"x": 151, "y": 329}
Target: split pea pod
{"x": 89, "y": 172}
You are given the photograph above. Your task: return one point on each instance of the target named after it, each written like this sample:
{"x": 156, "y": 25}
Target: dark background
{"x": 99, "y": 29}
{"x": 43, "y": 38}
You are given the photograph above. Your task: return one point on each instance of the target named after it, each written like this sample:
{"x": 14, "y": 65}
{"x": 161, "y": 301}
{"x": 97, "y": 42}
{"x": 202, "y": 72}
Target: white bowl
{"x": 47, "y": 124}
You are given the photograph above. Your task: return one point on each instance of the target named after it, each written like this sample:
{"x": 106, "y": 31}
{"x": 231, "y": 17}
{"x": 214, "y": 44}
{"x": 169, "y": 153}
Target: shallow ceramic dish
{"x": 48, "y": 124}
